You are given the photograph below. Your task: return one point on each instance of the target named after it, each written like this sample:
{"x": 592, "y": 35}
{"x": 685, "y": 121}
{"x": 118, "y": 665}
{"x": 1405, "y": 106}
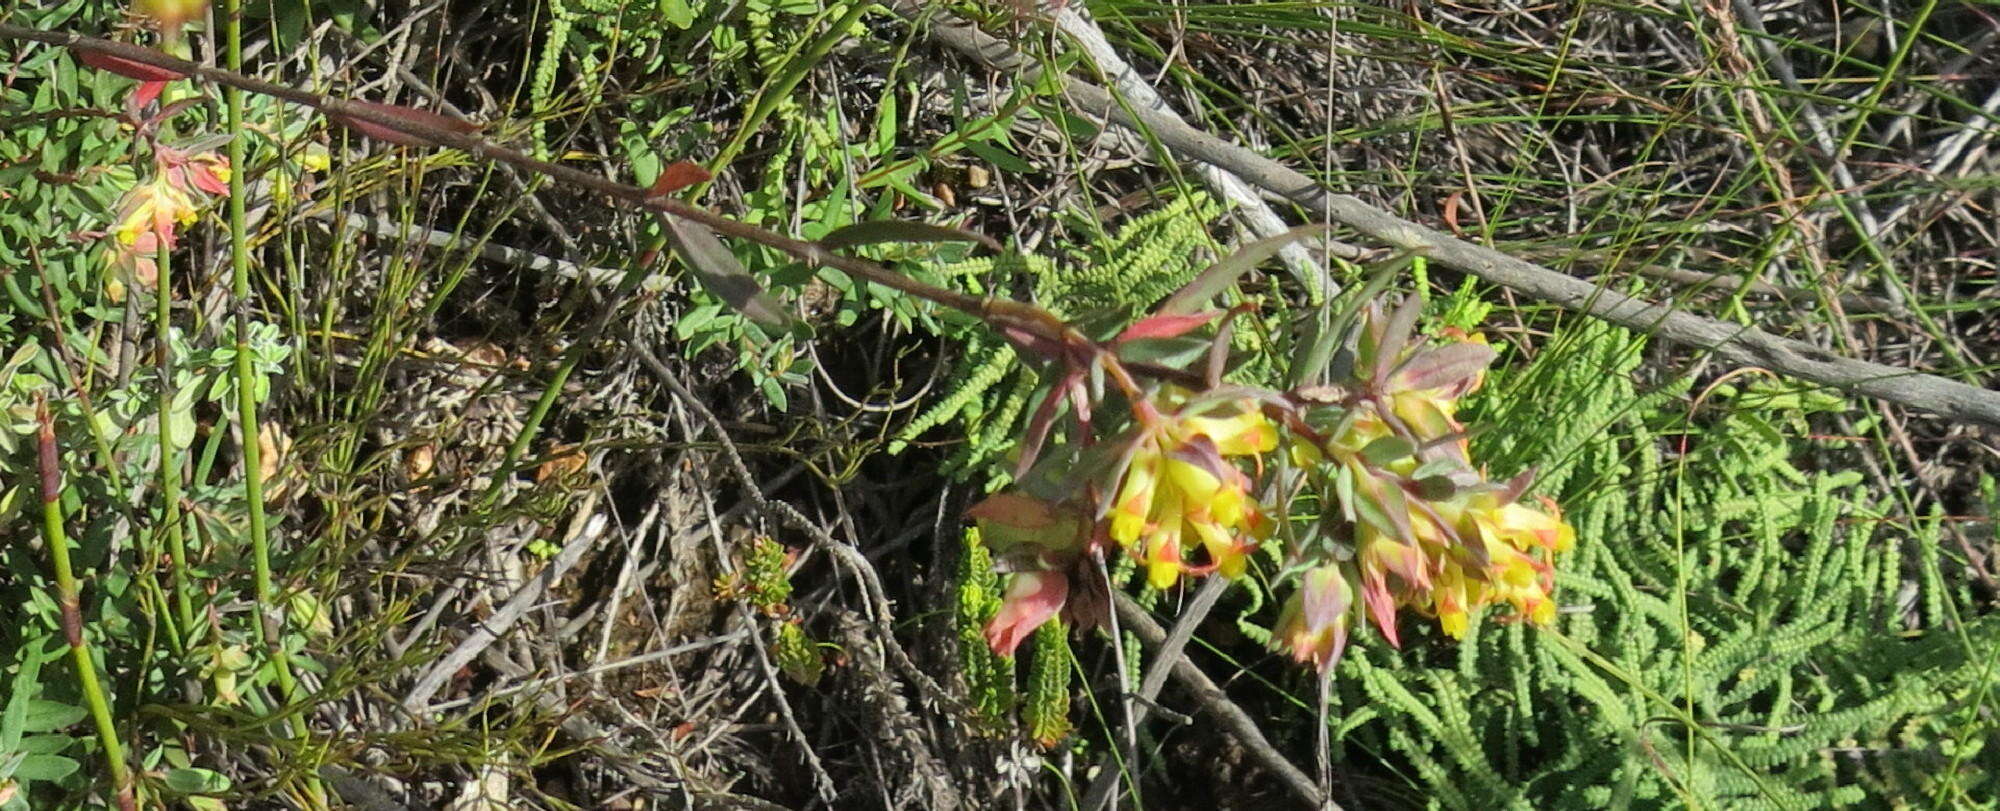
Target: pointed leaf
{"x": 1443, "y": 366}
{"x": 145, "y": 93}
{"x": 412, "y": 115}
{"x": 128, "y": 68}
{"x": 1044, "y": 419}
{"x": 1174, "y": 352}
{"x": 720, "y": 274}
{"x": 678, "y": 175}
{"x": 1395, "y": 337}
{"x": 1219, "y": 276}
{"x": 45, "y": 768}
{"x": 1165, "y": 326}
{"x": 48, "y": 716}
{"x": 1382, "y": 504}
{"x": 1218, "y": 349}
{"x": 1387, "y": 449}
{"x": 869, "y": 233}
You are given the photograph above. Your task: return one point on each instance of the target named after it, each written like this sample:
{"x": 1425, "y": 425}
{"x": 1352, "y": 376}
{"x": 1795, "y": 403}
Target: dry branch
{"x": 1734, "y": 343}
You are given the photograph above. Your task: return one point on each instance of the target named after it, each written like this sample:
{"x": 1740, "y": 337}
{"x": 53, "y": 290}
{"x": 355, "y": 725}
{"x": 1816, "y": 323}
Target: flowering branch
{"x": 1019, "y": 320}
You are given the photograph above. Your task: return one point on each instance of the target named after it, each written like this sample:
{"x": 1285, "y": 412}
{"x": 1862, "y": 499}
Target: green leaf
{"x": 1436, "y": 488}
{"x": 196, "y": 781}
{"x": 1175, "y": 352}
{"x": 1000, "y": 158}
{"x": 1387, "y": 449}
{"x": 1219, "y": 276}
{"x": 695, "y": 320}
{"x": 45, "y": 767}
{"x": 774, "y": 393}
{"x": 46, "y": 716}
{"x": 45, "y": 744}
{"x": 721, "y": 274}
{"x": 14, "y": 720}
{"x": 878, "y": 231}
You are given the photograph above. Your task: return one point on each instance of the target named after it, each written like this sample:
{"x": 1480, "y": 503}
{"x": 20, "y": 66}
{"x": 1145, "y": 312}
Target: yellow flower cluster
{"x": 150, "y": 213}
{"x": 1182, "y": 498}
{"x": 1429, "y": 534}
{"x": 1404, "y": 519}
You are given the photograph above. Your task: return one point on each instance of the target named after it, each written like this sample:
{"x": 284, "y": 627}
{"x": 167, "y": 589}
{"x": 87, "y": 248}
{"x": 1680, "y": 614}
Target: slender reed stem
{"x": 247, "y": 420}
{"x": 170, "y": 460}
{"x": 57, "y": 541}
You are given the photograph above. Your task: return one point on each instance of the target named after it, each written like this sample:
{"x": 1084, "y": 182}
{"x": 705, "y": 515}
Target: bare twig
{"x": 850, "y": 557}
{"x": 587, "y": 528}
{"x": 1165, "y": 657}
{"x": 1237, "y": 723}
{"x": 1737, "y": 344}
{"x": 1249, "y": 206}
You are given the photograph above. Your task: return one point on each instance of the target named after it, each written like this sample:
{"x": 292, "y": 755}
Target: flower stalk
{"x": 56, "y": 540}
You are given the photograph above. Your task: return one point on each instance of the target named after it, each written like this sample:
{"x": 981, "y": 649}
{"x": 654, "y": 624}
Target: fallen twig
{"x": 586, "y": 529}
{"x": 1734, "y": 343}
{"x": 1216, "y": 703}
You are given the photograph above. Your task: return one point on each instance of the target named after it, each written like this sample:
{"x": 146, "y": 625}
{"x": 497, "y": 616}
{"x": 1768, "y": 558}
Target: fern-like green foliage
{"x": 1045, "y": 706}
{"x": 989, "y": 677}
{"x": 1799, "y": 620}
{"x": 1147, "y": 258}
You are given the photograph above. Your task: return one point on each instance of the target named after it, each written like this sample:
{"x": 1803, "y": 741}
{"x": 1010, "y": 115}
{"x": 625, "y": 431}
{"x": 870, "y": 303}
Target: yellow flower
{"x": 1315, "y": 622}
{"x": 1180, "y": 492}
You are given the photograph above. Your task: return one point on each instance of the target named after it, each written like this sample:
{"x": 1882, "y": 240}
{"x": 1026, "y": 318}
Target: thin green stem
{"x": 170, "y": 460}
{"x": 57, "y": 541}
{"x": 246, "y": 389}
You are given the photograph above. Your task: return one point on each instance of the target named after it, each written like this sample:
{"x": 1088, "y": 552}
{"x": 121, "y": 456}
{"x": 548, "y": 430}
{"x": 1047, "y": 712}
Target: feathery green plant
{"x": 1719, "y": 576}
{"x": 989, "y": 677}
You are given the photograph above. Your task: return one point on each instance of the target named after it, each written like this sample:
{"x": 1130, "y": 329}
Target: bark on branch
{"x": 1734, "y": 343}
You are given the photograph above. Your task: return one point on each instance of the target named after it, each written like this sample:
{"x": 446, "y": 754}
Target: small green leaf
{"x": 196, "y": 781}
{"x": 45, "y": 767}
{"x": 1387, "y": 449}
{"x": 1436, "y": 488}
{"x": 870, "y": 233}
{"x": 46, "y": 716}
{"x": 1219, "y": 276}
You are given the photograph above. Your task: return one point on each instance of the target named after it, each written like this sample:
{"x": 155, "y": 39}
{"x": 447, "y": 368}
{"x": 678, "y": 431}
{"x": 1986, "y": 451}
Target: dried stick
{"x": 1126, "y": 80}
{"x": 1215, "y": 702}
{"x": 1166, "y": 655}
{"x": 857, "y": 563}
{"x": 586, "y": 527}
{"x": 1734, "y": 343}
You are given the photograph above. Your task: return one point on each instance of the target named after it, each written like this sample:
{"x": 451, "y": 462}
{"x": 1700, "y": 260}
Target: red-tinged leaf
{"x": 1516, "y": 486}
{"x": 128, "y": 68}
{"x": 1032, "y": 598}
{"x": 678, "y": 175}
{"x": 1395, "y": 337}
{"x": 870, "y": 233}
{"x": 1218, "y": 349}
{"x": 396, "y": 112}
{"x": 1219, "y": 276}
{"x": 1165, "y": 326}
{"x": 1030, "y": 342}
{"x": 1042, "y": 422}
{"x": 146, "y": 92}
{"x": 1079, "y": 399}
{"x": 1451, "y": 213}
{"x": 1442, "y": 367}
{"x": 1381, "y": 606}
